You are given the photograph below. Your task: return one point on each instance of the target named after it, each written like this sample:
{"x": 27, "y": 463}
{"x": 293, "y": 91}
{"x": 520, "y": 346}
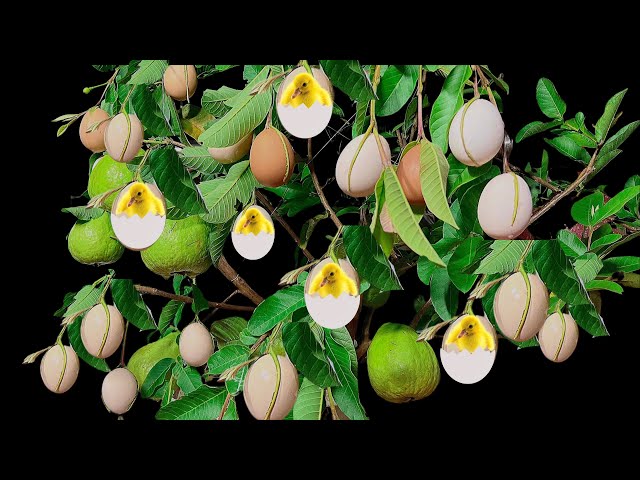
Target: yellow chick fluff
{"x": 470, "y": 334}
{"x": 140, "y": 200}
{"x": 305, "y": 89}
{"x": 252, "y": 221}
{"x": 332, "y": 281}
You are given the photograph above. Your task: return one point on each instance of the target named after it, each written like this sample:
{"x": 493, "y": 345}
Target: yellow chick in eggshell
{"x": 470, "y": 334}
{"x": 305, "y": 89}
{"x": 140, "y": 200}
{"x": 253, "y": 221}
{"x": 332, "y": 281}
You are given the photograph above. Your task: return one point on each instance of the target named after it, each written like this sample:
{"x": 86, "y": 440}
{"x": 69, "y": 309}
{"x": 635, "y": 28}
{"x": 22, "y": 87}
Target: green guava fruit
{"x": 401, "y": 369}
{"x": 143, "y": 360}
{"x": 106, "y": 175}
{"x": 94, "y": 242}
{"x": 182, "y": 248}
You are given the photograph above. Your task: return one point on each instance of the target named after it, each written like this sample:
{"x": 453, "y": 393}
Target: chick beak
{"x": 296, "y": 93}
{"x": 131, "y": 202}
{"x": 462, "y": 333}
{"x": 325, "y": 280}
{"x": 246, "y": 224}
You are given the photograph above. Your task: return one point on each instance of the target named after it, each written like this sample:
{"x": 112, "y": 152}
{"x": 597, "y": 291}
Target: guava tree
{"x": 428, "y": 190}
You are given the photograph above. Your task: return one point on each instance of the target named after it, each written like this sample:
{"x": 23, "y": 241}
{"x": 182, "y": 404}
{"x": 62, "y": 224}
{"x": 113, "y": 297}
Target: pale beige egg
{"x": 357, "y": 174}
{"x": 102, "y": 336}
{"x": 123, "y": 137}
{"x": 119, "y": 390}
{"x": 59, "y": 368}
{"x": 558, "y": 337}
{"x": 505, "y": 207}
{"x": 232, "y": 153}
{"x": 252, "y": 246}
{"x": 260, "y": 386}
{"x": 176, "y": 79}
{"x": 196, "y": 344}
{"x": 94, "y": 140}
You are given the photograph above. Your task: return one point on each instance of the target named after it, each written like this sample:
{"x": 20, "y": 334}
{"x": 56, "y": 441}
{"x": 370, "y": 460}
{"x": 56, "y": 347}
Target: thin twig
{"x": 316, "y": 184}
{"x": 189, "y": 300}
{"x": 366, "y": 340}
{"x": 536, "y": 179}
{"x": 124, "y": 343}
{"x": 215, "y": 310}
{"x": 422, "y": 76}
{"x": 332, "y": 404}
{"x": 224, "y": 407}
{"x": 420, "y": 313}
{"x": 239, "y": 282}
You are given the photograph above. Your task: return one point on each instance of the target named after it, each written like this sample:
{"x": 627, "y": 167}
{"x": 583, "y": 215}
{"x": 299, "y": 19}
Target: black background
{"x": 524, "y": 391}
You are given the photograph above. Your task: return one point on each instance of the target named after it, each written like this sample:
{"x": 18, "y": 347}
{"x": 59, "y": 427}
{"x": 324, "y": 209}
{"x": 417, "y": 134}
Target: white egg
{"x": 134, "y": 232}
{"x": 505, "y": 207}
{"x": 476, "y": 133}
{"x": 251, "y": 246}
{"x": 331, "y": 312}
{"x": 464, "y": 366}
{"x": 357, "y": 177}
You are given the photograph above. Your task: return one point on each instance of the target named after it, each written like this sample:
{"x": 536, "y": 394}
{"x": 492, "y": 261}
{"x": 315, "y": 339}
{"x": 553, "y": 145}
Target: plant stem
{"x": 239, "y": 282}
{"x": 366, "y": 341}
{"x": 418, "y": 315}
{"x": 316, "y": 184}
{"x": 189, "y": 300}
{"x": 109, "y": 82}
{"x": 536, "y": 179}
{"x": 225, "y": 406}
{"x": 332, "y": 404}
{"x": 215, "y": 310}
{"x": 559, "y": 196}
{"x": 276, "y": 391}
{"x": 262, "y": 198}
{"x": 124, "y": 343}
{"x": 422, "y": 76}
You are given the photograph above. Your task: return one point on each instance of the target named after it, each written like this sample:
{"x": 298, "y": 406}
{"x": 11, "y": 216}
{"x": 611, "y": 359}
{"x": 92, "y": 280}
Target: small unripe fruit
{"x": 409, "y": 176}
{"x": 260, "y": 385}
{"x": 272, "y": 158}
{"x": 196, "y": 344}
{"x": 119, "y": 390}
{"x": 94, "y": 140}
{"x": 86, "y": 90}
{"x": 59, "y": 368}
{"x": 558, "y": 337}
{"x": 176, "y": 78}
{"x": 234, "y": 152}
{"x": 505, "y": 207}
{"x": 123, "y": 138}
{"x": 101, "y": 336}
{"x": 358, "y": 177}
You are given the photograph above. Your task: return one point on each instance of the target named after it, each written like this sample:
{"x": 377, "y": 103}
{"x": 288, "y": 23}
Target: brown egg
{"x": 94, "y": 140}
{"x": 196, "y": 344}
{"x": 122, "y": 139}
{"x": 176, "y": 78}
{"x": 59, "y": 368}
{"x": 272, "y": 158}
{"x": 119, "y": 390}
{"x": 318, "y": 75}
{"x": 358, "y": 178}
{"x": 558, "y": 337}
{"x": 232, "y": 153}
{"x": 518, "y": 314}
{"x": 409, "y": 175}
{"x": 505, "y": 207}
{"x": 99, "y": 337}
{"x": 260, "y": 385}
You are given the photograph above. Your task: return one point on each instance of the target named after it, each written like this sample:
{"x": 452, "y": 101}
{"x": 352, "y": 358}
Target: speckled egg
{"x": 505, "y": 207}
{"x": 123, "y": 138}
{"x": 272, "y": 158}
{"x": 119, "y": 390}
{"x": 196, "y": 344}
{"x": 232, "y": 153}
{"x": 558, "y": 337}
{"x": 357, "y": 175}
{"x": 59, "y": 368}
{"x": 476, "y": 133}
{"x": 260, "y": 386}
{"x": 177, "y": 77}
{"x": 101, "y": 336}
{"x": 94, "y": 140}
{"x": 409, "y": 176}
{"x": 251, "y": 246}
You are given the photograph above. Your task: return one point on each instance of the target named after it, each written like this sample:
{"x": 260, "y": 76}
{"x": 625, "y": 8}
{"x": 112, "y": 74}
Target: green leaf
{"x": 469, "y": 204}
{"x": 569, "y": 148}
{"x": 310, "y": 401}
{"x": 465, "y": 260}
{"x": 66, "y": 301}
{"x": 156, "y": 377}
{"x": 343, "y": 338}
{"x": 534, "y": 128}
{"x": 404, "y": 220}
{"x": 362, "y": 108}
{"x": 195, "y": 120}
{"x": 275, "y": 309}
{"x": 557, "y": 273}
{"x": 306, "y": 353}
{"x": 444, "y": 294}
{"x": 602, "y": 160}
{"x": 104, "y": 68}
{"x": 187, "y": 378}
{"x": 236, "y": 384}
{"x": 619, "y": 137}
{"x": 604, "y": 285}
{"x": 348, "y": 76}
{"x": 84, "y": 213}
{"x": 461, "y": 175}
{"x": 426, "y": 268}
{"x": 504, "y": 257}
{"x": 384, "y": 239}
{"x": 205, "y": 403}
{"x": 149, "y": 71}
{"x": 615, "y": 204}
{"x": 634, "y": 204}
{"x": 221, "y": 194}
{"x": 549, "y": 100}
{"x": 434, "y": 170}
{"x": 199, "y": 159}
{"x": 75, "y": 340}
{"x": 396, "y": 87}
{"x": 447, "y": 105}
{"x": 587, "y": 267}
{"x": 571, "y": 244}
{"x": 174, "y": 180}
{"x": 130, "y": 303}
{"x": 620, "y": 264}
{"x": 87, "y": 297}
{"x": 368, "y": 258}
{"x": 227, "y": 357}
{"x": 146, "y": 105}
{"x": 213, "y": 101}
{"x": 171, "y": 314}
{"x": 217, "y": 238}
{"x": 604, "y": 123}
{"x": 346, "y": 395}
{"x": 581, "y": 139}
{"x": 228, "y": 329}
{"x": 199, "y": 303}
{"x": 584, "y": 210}
{"x": 588, "y": 318}
{"x": 605, "y": 240}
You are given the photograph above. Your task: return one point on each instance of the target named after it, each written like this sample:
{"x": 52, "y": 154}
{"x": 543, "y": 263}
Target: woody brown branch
{"x": 239, "y": 282}
{"x": 318, "y": 188}
{"x": 183, "y": 298}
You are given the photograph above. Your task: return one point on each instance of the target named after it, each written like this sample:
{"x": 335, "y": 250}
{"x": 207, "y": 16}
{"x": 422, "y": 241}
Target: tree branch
{"x": 366, "y": 341}
{"x": 239, "y": 282}
{"x": 536, "y": 179}
{"x": 189, "y": 300}
{"x": 224, "y": 407}
{"x": 316, "y": 184}
{"x": 418, "y": 315}
{"x": 262, "y": 198}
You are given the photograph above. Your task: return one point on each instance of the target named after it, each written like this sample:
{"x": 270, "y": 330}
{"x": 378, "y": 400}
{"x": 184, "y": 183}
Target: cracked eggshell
{"x": 119, "y": 391}
{"x": 482, "y": 131}
{"x": 175, "y": 83}
{"x": 271, "y": 158}
{"x": 253, "y": 247}
{"x": 94, "y": 327}
{"x": 196, "y": 344}
{"x": 260, "y": 385}
{"x": 137, "y": 233}
{"x": 232, "y": 153}
{"x": 53, "y": 367}
{"x": 464, "y": 366}
{"x": 510, "y": 303}
{"x": 331, "y": 312}
{"x": 366, "y": 168}
{"x": 558, "y": 337}
{"x": 121, "y": 143}
{"x": 94, "y": 140}
{"x": 498, "y": 203}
